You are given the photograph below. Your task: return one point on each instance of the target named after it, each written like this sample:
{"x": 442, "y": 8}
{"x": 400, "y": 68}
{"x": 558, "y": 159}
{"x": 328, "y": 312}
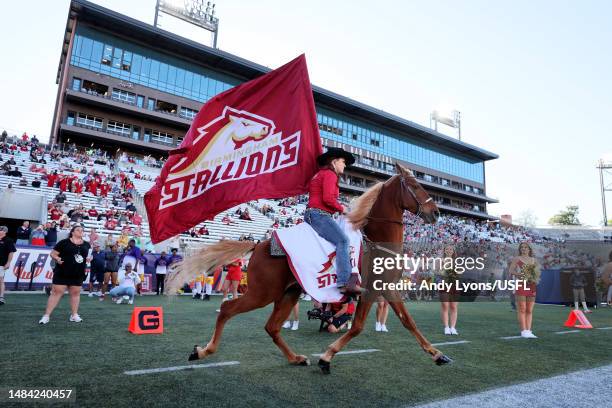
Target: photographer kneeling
{"x": 343, "y": 312}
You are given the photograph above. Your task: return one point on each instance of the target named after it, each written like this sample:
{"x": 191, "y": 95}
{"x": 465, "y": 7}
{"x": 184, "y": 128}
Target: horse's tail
{"x": 204, "y": 260}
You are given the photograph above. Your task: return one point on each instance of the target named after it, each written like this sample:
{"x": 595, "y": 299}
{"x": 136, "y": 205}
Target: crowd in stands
{"x": 109, "y": 185}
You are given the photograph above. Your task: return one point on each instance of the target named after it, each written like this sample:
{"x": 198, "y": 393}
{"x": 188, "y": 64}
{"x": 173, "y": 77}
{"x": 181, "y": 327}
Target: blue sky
{"x": 532, "y": 79}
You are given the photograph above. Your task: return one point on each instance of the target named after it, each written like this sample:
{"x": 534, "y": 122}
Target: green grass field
{"x": 92, "y": 356}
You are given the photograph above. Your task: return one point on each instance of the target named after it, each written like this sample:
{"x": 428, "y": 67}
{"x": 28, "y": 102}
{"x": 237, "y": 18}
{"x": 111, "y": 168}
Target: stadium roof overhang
{"x": 155, "y": 37}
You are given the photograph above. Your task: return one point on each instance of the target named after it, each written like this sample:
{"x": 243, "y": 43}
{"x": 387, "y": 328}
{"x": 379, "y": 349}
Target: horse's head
{"x": 413, "y": 196}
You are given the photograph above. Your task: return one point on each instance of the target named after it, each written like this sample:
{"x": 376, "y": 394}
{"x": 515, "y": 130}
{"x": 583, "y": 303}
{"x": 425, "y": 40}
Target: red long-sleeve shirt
{"x": 324, "y": 192}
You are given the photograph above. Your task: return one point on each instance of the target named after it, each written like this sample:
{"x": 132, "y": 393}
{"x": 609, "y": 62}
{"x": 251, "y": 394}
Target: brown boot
{"x": 352, "y": 286}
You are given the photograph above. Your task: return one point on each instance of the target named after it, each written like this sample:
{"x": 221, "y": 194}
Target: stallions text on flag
{"x": 257, "y": 140}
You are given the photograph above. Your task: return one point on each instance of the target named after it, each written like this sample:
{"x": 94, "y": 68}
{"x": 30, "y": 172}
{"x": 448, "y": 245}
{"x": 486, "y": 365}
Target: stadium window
{"x": 70, "y": 118}
{"x": 189, "y": 80}
{"x": 180, "y": 78}
{"x": 94, "y": 88}
{"x": 151, "y": 104}
{"x": 97, "y": 51}
{"x": 354, "y": 136}
{"x": 136, "y": 133}
{"x": 163, "y": 72}
{"x": 374, "y": 142}
{"x": 118, "y": 127}
{"x": 76, "y": 84}
{"x": 140, "y": 101}
{"x": 107, "y": 56}
{"x": 188, "y": 113}
{"x": 161, "y": 137}
{"x": 89, "y": 120}
{"x": 147, "y": 135}
{"x": 166, "y": 107}
{"x": 367, "y": 161}
{"x": 126, "y": 62}
{"x": 117, "y": 52}
{"x": 123, "y": 96}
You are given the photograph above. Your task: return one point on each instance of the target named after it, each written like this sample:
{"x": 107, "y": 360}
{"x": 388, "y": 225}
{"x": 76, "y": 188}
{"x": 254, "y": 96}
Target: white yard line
{"x": 511, "y": 337}
{"x": 178, "y": 368}
{"x": 567, "y": 331}
{"x": 448, "y": 343}
{"x": 574, "y": 389}
{"x": 604, "y": 328}
{"x": 349, "y": 352}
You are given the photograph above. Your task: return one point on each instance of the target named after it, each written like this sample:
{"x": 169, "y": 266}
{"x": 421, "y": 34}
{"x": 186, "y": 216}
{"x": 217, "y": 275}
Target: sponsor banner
{"x": 31, "y": 261}
{"x": 21, "y": 265}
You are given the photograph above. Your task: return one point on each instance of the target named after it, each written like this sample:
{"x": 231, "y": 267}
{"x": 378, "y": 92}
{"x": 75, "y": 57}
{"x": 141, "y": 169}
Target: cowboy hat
{"x": 335, "y": 153}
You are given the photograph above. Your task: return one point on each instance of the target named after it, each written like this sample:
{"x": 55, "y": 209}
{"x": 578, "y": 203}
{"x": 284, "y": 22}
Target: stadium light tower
{"x": 452, "y": 119}
{"x": 200, "y": 13}
{"x": 605, "y": 170}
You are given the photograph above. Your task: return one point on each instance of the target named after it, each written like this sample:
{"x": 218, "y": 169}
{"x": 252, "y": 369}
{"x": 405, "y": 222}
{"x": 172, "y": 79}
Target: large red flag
{"x": 257, "y": 140}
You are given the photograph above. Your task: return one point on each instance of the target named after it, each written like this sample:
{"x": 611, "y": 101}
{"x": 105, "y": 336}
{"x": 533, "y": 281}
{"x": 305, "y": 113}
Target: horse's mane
{"x": 363, "y": 204}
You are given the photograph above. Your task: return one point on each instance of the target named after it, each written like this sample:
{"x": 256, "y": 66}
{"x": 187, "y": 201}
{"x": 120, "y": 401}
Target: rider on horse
{"x": 322, "y": 204}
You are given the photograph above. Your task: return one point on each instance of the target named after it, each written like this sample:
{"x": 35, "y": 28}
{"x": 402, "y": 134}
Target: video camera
{"x": 319, "y": 314}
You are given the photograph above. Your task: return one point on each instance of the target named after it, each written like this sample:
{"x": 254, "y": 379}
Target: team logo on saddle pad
{"x": 234, "y": 146}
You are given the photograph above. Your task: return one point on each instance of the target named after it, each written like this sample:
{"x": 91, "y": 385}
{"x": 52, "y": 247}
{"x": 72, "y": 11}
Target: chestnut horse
{"x": 378, "y": 212}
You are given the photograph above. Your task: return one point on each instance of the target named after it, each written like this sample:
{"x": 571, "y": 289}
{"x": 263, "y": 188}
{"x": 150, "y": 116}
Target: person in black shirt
{"x": 51, "y": 237}
{"x": 23, "y": 234}
{"x": 36, "y": 182}
{"x": 7, "y": 249}
{"x": 15, "y": 173}
{"x": 71, "y": 256}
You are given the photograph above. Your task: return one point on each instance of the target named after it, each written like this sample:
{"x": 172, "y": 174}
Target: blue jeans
{"x": 119, "y": 291}
{"x": 327, "y": 228}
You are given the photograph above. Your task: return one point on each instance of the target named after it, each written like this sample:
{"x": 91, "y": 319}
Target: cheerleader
{"x": 524, "y": 267}
{"x": 449, "y": 295}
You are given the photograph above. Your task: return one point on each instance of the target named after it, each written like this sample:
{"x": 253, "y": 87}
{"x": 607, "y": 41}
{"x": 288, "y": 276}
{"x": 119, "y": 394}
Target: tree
{"x": 569, "y": 216}
{"x": 527, "y": 219}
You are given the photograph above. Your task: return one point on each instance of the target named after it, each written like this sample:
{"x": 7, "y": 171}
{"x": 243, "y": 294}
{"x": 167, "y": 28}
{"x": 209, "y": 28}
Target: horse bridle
{"x": 405, "y": 186}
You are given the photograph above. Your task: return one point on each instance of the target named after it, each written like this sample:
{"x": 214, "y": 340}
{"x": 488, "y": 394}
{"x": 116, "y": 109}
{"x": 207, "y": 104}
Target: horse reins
{"x": 400, "y": 222}
{"x": 413, "y": 194}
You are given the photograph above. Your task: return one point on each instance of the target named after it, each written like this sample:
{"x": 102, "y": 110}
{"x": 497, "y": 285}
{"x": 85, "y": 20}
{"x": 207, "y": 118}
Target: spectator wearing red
{"x": 104, "y": 189}
{"x": 232, "y": 280}
{"x": 25, "y": 137}
{"x": 137, "y": 219}
{"x": 55, "y": 214}
{"x": 78, "y": 187}
{"x": 51, "y": 179}
{"x": 63, "y": 184}
{"x": 110, "y": 224}
{"x": 93, "y": 187}
{"x": 92, "y": 212}
{"x": 203, "y": 231}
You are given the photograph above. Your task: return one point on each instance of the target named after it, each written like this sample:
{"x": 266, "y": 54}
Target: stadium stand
{"x": 129, "y": 178}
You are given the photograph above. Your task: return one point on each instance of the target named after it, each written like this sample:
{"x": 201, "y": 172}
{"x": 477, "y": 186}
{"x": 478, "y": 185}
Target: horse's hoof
{"x": 304, "y": 362}
{"x": 194, "y": 354}
{"x": 443, "y": 360}
{"x": 324, "y": 366}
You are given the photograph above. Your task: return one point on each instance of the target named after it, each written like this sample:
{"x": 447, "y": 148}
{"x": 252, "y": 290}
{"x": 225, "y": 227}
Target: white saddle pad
{"x": 312, "y": 259}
